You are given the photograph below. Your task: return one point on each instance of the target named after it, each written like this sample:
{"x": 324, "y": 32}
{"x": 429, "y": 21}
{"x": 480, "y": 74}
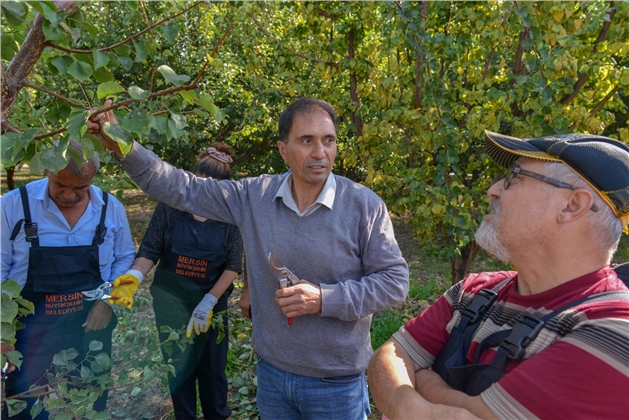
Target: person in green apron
{"x": 61, "y": 236}
{"x": 198, "y": 261}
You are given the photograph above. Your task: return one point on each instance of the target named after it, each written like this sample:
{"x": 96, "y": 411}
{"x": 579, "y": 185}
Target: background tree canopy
{"x": 415, "y": 84}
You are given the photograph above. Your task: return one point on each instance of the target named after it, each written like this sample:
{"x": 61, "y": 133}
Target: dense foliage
{"x": 415, "y": 84}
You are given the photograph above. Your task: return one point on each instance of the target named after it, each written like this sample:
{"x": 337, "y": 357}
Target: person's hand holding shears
{"x": 295, "y": 297}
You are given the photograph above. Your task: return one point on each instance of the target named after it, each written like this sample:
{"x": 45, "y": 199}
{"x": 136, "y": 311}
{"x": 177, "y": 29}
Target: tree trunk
{"x": 16, "y": 73}
{"x": 460, "y": 267}
{"x": 10, "y": 181}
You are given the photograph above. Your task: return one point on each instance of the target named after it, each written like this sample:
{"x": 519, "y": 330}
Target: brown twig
{"x": 169, "y": 91}
{"x": 125, "y": 41}
{"x": 56, "y": 95}
{"x": 278, "y": 42}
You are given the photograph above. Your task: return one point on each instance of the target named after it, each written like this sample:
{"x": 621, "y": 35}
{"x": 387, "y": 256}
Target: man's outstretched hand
{"x": 95, "y": 126}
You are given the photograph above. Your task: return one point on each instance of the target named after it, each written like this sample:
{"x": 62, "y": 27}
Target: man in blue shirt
{"x": 61, "y": 236}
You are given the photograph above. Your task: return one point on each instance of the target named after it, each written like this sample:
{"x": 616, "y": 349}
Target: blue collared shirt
{"x": 325, "y": 197}
{"x": 116, "y": 253}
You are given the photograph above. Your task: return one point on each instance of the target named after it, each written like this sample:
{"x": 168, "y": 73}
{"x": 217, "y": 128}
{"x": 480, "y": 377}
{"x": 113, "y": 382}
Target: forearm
{"x": 143, "y": 265}
{"x": 435, "y": 390}
{"x": 391, "y": 375}
{"x": 393, "y": 381}
{"x": 223, "y": 283}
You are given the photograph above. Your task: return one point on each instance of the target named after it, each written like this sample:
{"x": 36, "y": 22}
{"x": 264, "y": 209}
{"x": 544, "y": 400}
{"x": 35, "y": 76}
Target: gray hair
{"x": 605, "y": 226}
{"x": 74, "y": 167}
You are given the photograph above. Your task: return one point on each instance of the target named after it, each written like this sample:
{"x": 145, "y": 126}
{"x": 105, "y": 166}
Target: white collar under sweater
{"x": 326, "y": 196}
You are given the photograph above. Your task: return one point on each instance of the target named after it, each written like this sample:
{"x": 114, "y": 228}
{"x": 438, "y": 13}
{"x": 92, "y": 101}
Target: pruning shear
{"x": 102, "y": 291}
{"x": 284, "y": 275}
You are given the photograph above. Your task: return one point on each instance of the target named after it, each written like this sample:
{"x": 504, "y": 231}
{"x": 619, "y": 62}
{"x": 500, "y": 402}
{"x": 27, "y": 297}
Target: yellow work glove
{"x": 124, "y": 288}
{"x": 202, "y": 315}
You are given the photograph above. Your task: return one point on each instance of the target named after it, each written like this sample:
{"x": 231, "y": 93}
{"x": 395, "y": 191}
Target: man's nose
{"x": 318, "y": 151}
{"x": 495, "y": 190}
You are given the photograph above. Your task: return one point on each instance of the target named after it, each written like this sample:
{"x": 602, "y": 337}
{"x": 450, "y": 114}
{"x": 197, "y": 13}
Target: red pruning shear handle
{"x": 285, "y": 276}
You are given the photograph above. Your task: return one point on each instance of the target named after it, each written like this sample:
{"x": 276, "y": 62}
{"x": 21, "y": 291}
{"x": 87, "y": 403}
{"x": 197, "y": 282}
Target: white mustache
{"x": 63, "y": 199}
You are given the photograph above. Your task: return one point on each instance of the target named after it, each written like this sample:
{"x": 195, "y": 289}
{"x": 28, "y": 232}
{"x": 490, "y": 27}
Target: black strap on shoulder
{"x": 622, "y": 271}
{"x": 526, "y": 330}
{"x": 101, "y": 229}
{"x": 30, "y": 228}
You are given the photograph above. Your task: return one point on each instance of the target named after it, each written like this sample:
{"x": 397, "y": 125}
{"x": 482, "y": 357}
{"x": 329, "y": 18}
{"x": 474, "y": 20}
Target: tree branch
{"x": 278, "y": 42}
{"x": 51, "y": 93}
{"x": 583, "y": 76}
{"x": 24, "y": 61}
{"x": 600, "y": 105}
{"x": 129, "y": 39}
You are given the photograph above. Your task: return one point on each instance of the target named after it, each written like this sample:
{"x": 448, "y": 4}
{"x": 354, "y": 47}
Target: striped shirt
{"x": 577, "y": 367}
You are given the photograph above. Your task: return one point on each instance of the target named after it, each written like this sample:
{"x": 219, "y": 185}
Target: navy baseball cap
{"x": 602, "y": 162}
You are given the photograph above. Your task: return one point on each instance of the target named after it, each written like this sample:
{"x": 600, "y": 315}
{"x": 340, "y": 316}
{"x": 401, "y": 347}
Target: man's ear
{"x": 281, "y": 145}
{"x": 578, "y": 204}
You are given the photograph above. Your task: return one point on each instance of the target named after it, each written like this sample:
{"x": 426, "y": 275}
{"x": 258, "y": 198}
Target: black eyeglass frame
{"x": 516, "y": 170}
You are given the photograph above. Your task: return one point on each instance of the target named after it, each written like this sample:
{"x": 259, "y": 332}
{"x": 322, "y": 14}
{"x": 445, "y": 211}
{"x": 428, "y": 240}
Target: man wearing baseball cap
{"x": 548, "y": 340}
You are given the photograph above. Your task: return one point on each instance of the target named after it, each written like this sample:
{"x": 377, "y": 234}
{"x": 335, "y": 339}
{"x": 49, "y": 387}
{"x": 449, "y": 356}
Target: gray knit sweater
{"x": 350, "y": 251}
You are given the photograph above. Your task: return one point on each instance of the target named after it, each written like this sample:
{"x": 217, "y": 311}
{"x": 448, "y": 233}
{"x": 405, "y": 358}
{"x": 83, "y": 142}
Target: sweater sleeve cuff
{"x": 328, "y": 292}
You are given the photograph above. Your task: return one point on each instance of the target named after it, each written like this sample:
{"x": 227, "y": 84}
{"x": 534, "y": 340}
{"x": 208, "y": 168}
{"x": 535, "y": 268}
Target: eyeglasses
{"x": 515, "y": 171}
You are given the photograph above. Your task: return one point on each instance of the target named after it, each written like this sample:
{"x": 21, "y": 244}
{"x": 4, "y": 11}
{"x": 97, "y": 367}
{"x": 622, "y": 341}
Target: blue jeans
{"x": 286, "y": 396}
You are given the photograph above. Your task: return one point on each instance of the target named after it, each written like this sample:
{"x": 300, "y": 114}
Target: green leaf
{"x": 14, "y": 12}
{"x": 15, "y": 406}
{"x": 80, "y": 70}
{"x": 35, "y": 165}
{"x": 78, "y": 125}
{"x": 137, "y": 121}
{"x": 55, "y": 18}
{"x": 61, "y": 63}
{"x": 9, "y": 310}
{"x": 97, "y": 146}
{"x": 51, "y": 32}
{"x": 126, "y": 62}
{"x": 86, "y": 372}
{"x": 120, "y": 135}
{"x": 206, "y": 102}
{"x": 100, "y": 59}
{"x": 160, "y": 124}
{"x": 179, "y": 120}
{"x": 189, "y": 96}
{"x": 14, "y": 357}
{"x": 138, "y": 93}
{"x": 96, "y": 345}
{"x": 103, "y": 360}
{"x": 52, "y": 160}
{"x": 170, "y": 32}
{"x": 103, "y": 75}
{"x": 7, "y": 329}
{"x": 171, "y": 76}
{"x": 9, "y": 287}
{"x": 174, "y": 131}
{"x": 91, "y": 29}
{"x": 107, "y": 89}
{"x": 36, "y": 408}
{"x": 8, "y": 140}
{"x": 140, "y": 52}
{"x": 136, "y": 391}
{"x": 23, "y": 143}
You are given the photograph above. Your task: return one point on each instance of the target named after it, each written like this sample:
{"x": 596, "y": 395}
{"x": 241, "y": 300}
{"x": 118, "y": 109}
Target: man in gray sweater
{"x": 334, "y": 234}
